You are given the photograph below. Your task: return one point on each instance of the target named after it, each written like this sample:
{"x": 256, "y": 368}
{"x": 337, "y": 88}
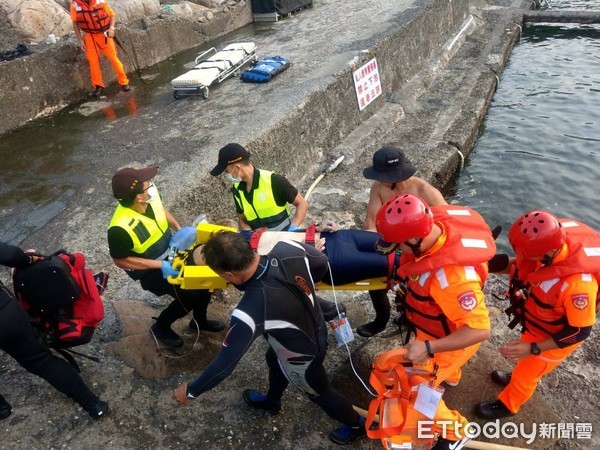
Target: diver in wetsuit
{"x": 280, "y": 303}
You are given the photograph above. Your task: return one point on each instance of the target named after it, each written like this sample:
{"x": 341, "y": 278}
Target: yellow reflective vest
{"x": 262, "y": 211}
{"x": 150, "y": 236}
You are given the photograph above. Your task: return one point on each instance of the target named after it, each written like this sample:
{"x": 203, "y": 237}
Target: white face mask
{"x": 230, "y": 177}
{"x": 153, "y": 194}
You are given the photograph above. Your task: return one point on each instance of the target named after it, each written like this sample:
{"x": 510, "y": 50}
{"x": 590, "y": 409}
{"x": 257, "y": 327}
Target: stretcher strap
{"x": 236, "y": 50}
{"x": 309, "y": 235}
{"x": 223, "y": 60}
{"x": 393, "y": 264}
{"x": 399, "y": 389}
{"x": 255, "y": 238}
{"x": 208, "y": 67}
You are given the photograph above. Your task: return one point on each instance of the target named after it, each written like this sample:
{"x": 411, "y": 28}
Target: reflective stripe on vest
{"x": 469, "y": 242}
{"x": 262, "y": 211}
{"x": 150, "y": 236}
{"x": 92, "y": 17}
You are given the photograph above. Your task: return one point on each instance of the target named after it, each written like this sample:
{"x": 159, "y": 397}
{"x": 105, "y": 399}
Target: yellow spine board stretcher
{"x": 202, "y": 277}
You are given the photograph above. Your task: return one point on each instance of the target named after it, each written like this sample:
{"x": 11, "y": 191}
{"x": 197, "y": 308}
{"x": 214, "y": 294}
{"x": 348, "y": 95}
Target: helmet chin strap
{"x": 547, "y": 259}
{"x": 415, "y": 248}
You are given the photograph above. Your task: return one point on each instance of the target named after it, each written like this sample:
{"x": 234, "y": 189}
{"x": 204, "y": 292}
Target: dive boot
{"x": 259, "y": 401}
{"x": 346, "y": 434}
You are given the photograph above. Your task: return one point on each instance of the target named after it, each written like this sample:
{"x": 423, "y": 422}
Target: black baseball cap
{"x": 390, "y": 165}
{"x": 229, "y": 154}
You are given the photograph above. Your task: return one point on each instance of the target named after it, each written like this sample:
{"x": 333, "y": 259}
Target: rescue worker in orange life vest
{"x": 442, "y": 269}
{"x": 94, "y": 25}
{"x": 553, "y": 291}
{"x": 262, "y": 198}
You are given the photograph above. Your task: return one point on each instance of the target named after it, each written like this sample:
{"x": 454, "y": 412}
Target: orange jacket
{"x": 547, "y": 298}
{"x": 92, "y": 16}
{"x": 444, "y": 284}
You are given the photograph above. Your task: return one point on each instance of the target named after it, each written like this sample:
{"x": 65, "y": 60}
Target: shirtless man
{"x": 393, "y": 174}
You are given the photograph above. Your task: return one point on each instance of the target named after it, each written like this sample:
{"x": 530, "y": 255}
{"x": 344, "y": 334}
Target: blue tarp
{"x": 265, "y": 69}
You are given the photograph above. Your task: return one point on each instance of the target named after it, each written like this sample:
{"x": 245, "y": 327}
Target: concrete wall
{"x": 56, "y": 75}
{"x": 330, "y": 114}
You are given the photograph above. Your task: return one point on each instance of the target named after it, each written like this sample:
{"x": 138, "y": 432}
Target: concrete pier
{"x": 560, "y": 16}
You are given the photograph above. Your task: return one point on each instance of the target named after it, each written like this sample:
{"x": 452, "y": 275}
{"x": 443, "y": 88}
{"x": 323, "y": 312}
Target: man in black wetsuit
{"x": 280, "y": 303}
{"x": 21, "y": 341}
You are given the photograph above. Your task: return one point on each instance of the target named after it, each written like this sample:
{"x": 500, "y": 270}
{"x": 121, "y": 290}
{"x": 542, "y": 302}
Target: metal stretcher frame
{"x": 202, "y": 277}
{"x": 233, "y": 69}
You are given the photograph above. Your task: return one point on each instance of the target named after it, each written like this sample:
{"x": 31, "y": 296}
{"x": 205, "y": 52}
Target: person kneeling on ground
{"x": 24, "y": 343}
{"x": 139, "y": 236}
{"x": 279, "y": 303}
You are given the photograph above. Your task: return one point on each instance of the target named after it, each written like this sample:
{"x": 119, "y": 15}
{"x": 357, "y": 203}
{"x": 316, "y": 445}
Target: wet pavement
{"x": 46, "y": 163}
{"x": 62, "y": 163}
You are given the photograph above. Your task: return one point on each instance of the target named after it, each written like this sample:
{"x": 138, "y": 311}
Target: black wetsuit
{"x": 292, "y": 323}
{"x": 24, "y": 343}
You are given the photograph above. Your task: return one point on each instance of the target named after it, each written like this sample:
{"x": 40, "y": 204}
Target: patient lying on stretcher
{"x": 352, "y": 255}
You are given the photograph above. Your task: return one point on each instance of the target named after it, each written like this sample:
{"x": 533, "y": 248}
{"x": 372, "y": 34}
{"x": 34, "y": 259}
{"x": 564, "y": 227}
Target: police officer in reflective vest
{"x": 262, "y": 198}
{"x": 138, "y": 238}
{"x": 553, "y": 292}
{"x": 94, "y": 26}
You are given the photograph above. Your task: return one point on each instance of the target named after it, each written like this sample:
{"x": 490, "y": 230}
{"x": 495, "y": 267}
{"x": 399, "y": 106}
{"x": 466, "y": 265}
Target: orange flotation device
{"x": 395, "y": 380}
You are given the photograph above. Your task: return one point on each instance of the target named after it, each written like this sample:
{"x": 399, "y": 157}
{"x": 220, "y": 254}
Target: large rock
{"x": 128, "y": 11}
{"x": 34, "y": 20}
{"x": 63, "y": 3}
{"x": 8, "y": 36}
{"x": 138, "y": 350}
{"x": 186, "y": 9}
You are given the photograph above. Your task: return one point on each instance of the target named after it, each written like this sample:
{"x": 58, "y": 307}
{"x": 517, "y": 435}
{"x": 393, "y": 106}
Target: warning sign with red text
{"x": 367, "y": 83}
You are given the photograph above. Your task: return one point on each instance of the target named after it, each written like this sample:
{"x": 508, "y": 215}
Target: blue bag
{"x": 265, "y": 69}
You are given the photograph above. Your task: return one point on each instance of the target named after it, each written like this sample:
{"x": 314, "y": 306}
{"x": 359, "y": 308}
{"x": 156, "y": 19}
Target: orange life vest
{"x": 393, "y": 379}
{"x": 469, "y": 242}
{"x": 534, "y": 289}
{"x": 91, "y": 16}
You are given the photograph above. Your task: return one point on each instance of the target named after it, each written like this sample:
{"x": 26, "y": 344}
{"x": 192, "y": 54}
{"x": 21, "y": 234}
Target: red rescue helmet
{"x": 536, "y": 233}
{"x": 403, "y": 218}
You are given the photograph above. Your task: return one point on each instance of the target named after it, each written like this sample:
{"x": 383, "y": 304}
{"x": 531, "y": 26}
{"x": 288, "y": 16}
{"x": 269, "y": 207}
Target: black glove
{"x": 496, "y": 232}
{"x": 498, "y": 263}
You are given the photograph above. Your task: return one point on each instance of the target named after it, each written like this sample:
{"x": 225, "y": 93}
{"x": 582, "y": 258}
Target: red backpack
{"x": 63, "y": 297}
